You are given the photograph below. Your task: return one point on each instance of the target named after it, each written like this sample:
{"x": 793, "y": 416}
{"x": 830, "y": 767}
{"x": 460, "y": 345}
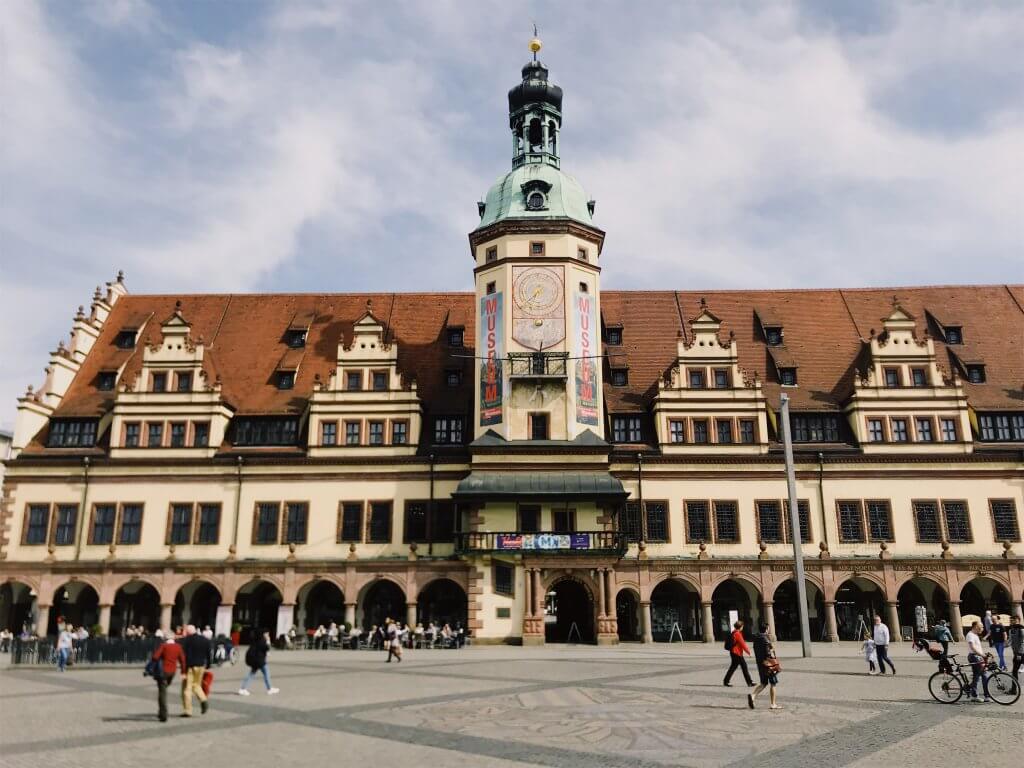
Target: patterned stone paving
{"x": 646, "y": 706}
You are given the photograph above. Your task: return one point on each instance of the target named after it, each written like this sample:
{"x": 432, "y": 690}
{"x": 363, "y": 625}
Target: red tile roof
{"x": 824, "y": 332}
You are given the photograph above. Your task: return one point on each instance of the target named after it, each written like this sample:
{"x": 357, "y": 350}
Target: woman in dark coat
{"x": 256, "y": 660}
{"x": 764, "y": 651}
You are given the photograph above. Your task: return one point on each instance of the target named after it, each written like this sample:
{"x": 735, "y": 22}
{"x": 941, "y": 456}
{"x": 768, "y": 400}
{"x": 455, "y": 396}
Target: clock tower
{"x": 537, "y": 270}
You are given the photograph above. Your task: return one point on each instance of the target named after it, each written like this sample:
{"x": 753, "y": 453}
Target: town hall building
{"x": 540, "y": 460}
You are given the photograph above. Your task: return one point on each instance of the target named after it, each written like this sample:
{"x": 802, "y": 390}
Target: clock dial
{"x": 538, "y": 306}
{"x": 537, "y": 293}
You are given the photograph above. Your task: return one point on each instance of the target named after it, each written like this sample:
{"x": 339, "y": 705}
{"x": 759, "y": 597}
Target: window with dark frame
{"x": 380, "y": 381}
{"x": 155, "y": 437}
{"x": 721, "y": 378}
{"x": 376, "y": 432}
{"x": 727, "y": 522}
{"x": 697, "y": 380}
{"x": 899, "y": 431}
{"x": 106, "y": 380}
{"x": 892, "y": 377}
{"x": 399, "y": 433}
{"x": 629, "y": 521}
{"x": 700, "y": 431}
{"x": 563, "y": 520}
{"x": 620, "y": 377}
{"x": 879, "y": 514}
{"x": 351, "y": 528}
{"x": 581, "y": 254}
{"x": 353, "y": 434}
{"x": 539, "y": 426}
{"x": 266, "y": 430}
{"x": 184, "y": 382}
{"x": 492, "y": 288}
{"x": 769, "y": 522}
{"x": 787, "y": 377}
{"x": 948, "y": 427}
{"x": 954, "y": 335}
{"x": 268, "y": 515}
{"x": 448, "y": 430}
{"x": 657, "y": 520}
{"x": 814, "y": 428}
{"x": 537, "y": 249}
{"x": 379, "y": 529}
{"x": 677, "y": 431}
{"x": 919, "y": 377}
{"x": 177, "y": 435}
{"x": 295, "y": 338}
{"x": 37, "y": 524}
{"x": 131, "y": 435}
{"x": 614, "y": 337}
{"x": 181, "y": 524}
{"x": 72, "y": 433}
{"x": 353, "y": 381}
{"x": 65, "y": 524}
{"x": 456, "y": 337}
{"x": 131, "y": 524}
{"x": 747, "y": 431}
{"x": 159, "y": 382}
{"x": 851, "y": 521}
{"x": 125, "y": 339}
{"x": 200, "y": 434}
{"x": 1004, "y": 519}
{"x": 876, "y": 431}
{"x": 103, "y": 518}
{"x": 958, "y": 522}
{"x": 529, "y": 518}
{"x": 723, "y": 431}
{"x": 328, "y": 433}
{"x": 504, "y": 579}
{"x": 926, "y": 518}
{"x": 803, "y": 513}
{"x": 626, "y": 429}
{"x": 976, "y": 374}
{"x": 208, "y": 530}
{"x": 491, "y": 254}
{"x": 453, "y": 378}
{"x": 296, "y": 516}
{"x": 773, "y": 336}
{"x": 698, "y": 522}
{"x": 923, "y": 427}
{"x": 442, "y": 522}
{"x": 286, "y": 379}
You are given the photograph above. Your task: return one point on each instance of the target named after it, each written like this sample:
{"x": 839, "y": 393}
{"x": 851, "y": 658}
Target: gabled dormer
{"x": 770, "y": 326}
{"x": 902, "y": 401}
{"x": 364, "y": 406}
{"x": 708, "y": 403}
{"x": 174, "y": 405}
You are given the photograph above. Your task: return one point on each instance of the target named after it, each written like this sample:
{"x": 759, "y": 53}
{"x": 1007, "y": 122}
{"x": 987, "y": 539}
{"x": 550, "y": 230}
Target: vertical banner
{"x": 490, "y": 332}
{"x": 586, "y": 351}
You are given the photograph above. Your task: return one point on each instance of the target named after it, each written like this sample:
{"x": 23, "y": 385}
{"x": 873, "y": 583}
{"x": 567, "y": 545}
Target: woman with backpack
{"x": 737, "y": 646}
{"x": 256, "y": 660}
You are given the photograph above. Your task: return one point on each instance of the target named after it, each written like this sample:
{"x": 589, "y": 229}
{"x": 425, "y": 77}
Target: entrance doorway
{"x": 626, "y": 613}
{"x": 568, "y": 605}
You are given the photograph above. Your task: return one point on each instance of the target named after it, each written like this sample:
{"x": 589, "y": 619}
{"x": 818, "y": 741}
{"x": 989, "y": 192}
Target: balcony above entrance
{"x": 540, "y": 486}
{"x": 576, "y": 543}
{"x": 537, "y": 365}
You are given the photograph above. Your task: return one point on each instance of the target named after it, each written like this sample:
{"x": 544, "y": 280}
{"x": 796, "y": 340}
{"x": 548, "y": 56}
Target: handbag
{"x": 155, "y": 669}
{"x": 207, "y": 682}
{"x": 772, "y": 665}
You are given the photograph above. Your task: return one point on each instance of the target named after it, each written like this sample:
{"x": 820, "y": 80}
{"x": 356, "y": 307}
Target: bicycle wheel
{"x": 945, "y": 688}
{"x": 1003, "y": 688}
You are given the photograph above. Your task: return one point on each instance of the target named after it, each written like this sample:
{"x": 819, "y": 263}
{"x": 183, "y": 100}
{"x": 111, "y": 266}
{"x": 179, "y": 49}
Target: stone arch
{"x": 196, "y": 602}
{"x": 858, "y": 599}
{"x": 750, "y": 582}
{"x": 459, "y": 577}
{"x": 112, "y": 587}
{"x": 985, "y": 592}
{"x": 31, "y": 582}
{"x": 684, "y": 578}
{"x": 137, "y": 601}
{"x": 934, "y": 578}
{"x": 18, "y": 601}
{"x": 175, "y": 584}
{"x": 256, "y": 605}
{"x": 232, "y": 587}
{"x": 76, "y": 602}
{"x": 380, "y": 599}
{"x": 443, "y": 601}
{"x": 785, "y": 606}
{"x": 874, "y": 579}
{"x": 627, "y": 613}
{"x": 569, "y": 598}
{"x": 319, "y": 601}
{"x": 734, "y": 595}
{"x": 676, "y": 610}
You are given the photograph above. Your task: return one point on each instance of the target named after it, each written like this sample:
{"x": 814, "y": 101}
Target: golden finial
{"x": 535, "y": 43}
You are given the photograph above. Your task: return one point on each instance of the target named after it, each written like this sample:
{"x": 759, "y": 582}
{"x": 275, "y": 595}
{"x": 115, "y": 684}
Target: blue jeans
{"x": 1000, "y": 650}
{"x": 977, "y": 674}
{"x": 252, "y": 673}
{"x": 62, "y": 658}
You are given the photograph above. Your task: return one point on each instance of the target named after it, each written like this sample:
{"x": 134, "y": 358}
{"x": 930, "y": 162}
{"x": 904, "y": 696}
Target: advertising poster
{"x": 587, "y": 348}
{"x": 489, "y": 343}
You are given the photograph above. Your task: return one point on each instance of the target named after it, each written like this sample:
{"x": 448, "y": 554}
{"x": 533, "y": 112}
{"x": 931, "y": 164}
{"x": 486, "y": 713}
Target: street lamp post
{"x": 794, "y": 528}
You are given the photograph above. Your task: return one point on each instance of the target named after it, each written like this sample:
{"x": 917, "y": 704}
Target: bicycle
{"x": 947, "y": 686}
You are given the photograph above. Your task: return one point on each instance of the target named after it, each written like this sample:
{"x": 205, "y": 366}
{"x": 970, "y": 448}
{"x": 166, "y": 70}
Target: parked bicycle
{"x": 947, "y": 686}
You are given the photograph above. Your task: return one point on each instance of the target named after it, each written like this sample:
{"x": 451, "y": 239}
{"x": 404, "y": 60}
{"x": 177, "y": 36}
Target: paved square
{"x": 562, "y": 706}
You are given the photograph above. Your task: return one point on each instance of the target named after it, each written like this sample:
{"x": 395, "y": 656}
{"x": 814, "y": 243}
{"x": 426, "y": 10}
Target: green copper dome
{"x": 536, "y": 191}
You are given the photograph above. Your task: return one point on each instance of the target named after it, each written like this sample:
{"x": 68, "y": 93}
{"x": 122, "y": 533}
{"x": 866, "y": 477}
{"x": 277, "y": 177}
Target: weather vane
{"x": 535, "y": 43}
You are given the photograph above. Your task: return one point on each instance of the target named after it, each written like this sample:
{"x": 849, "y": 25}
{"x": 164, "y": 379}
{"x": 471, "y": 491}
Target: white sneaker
{"x": 242, "y": 692}
{"x": 272, "y": 691}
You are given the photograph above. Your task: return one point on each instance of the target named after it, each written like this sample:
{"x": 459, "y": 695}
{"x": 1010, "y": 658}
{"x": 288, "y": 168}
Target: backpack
{"x": 154, "y": 668}
{"x": 250, "y": 657}
{"x": 730, "y": 641}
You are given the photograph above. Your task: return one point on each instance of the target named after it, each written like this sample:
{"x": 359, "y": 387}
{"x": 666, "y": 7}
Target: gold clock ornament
{"x": 538, "y": 306}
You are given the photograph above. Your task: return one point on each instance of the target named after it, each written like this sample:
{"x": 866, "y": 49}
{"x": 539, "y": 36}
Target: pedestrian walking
{"x": 393, "y": 641}
{"x": 870, "y": 655}
{"x": 943, "y": 636}
{"x": 737, "y": 646}
{"x": 170, "y": 657}
{"x": 64, "y": 645}
{"x": 256, "y": 660}
{"x": 986, "y": 622}
{"x": 198, "y": 657}
{"x": 976, "y": 658}
{"x": 997, "y": 639}
{"x": 1016, "y": 637}
{"x": 881, "y": 638}
{"x": 767, "y": 668}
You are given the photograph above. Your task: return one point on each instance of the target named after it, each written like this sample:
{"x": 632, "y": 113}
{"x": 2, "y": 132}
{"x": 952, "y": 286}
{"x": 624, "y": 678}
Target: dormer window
{"x": 620, "y": 377}
{"x": 456, "y": 337}
{"x": 184, "y": 383}
{"x": 536, "y": 201}
{"x": 295, "y": 338}
{"x": 72, "y": 433}
{"x": 106, "y": 380}
{"x": 615, "y": 337}
{"x": 125, "y": 338}
{"x": 976, "y": 373}
{"x": 159, "y": 382}
{"x": 773, "y": 336}
{"x": 285, "y": 379}
{"x": 954, "y": 334}
{"x": 453, "y": 378}
{"x": 787, "y": 377}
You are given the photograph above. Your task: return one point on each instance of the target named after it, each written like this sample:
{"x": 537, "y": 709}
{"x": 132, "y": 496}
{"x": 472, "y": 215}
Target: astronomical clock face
{"x": 538, "y": 306}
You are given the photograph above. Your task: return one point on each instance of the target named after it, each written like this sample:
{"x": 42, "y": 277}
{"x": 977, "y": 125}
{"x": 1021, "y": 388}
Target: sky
{"x": 244, "y": 145}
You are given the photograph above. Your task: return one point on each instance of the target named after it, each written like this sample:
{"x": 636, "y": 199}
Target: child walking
{"x": 868, "y": 649}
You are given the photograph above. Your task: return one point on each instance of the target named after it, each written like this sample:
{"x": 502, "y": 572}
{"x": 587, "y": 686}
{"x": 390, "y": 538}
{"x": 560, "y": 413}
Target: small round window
{"x": 535, "y": 201}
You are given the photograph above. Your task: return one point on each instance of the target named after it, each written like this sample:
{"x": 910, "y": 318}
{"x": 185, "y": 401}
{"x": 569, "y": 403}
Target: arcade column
{"x": 708, "y": 622}
{"x": 830, "y": 620}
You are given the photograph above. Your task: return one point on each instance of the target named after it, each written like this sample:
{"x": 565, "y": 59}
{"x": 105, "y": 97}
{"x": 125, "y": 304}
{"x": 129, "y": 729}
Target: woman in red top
{"x": 171, "y": 657}
{"x": 736, "y": 651}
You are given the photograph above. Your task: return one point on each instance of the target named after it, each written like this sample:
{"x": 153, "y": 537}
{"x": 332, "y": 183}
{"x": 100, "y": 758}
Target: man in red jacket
{"x": 171, "y": 657}
{"x": 736, "y": 651}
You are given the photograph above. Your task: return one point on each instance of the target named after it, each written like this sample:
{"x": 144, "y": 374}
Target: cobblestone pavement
{"x": 563, "y": 706}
